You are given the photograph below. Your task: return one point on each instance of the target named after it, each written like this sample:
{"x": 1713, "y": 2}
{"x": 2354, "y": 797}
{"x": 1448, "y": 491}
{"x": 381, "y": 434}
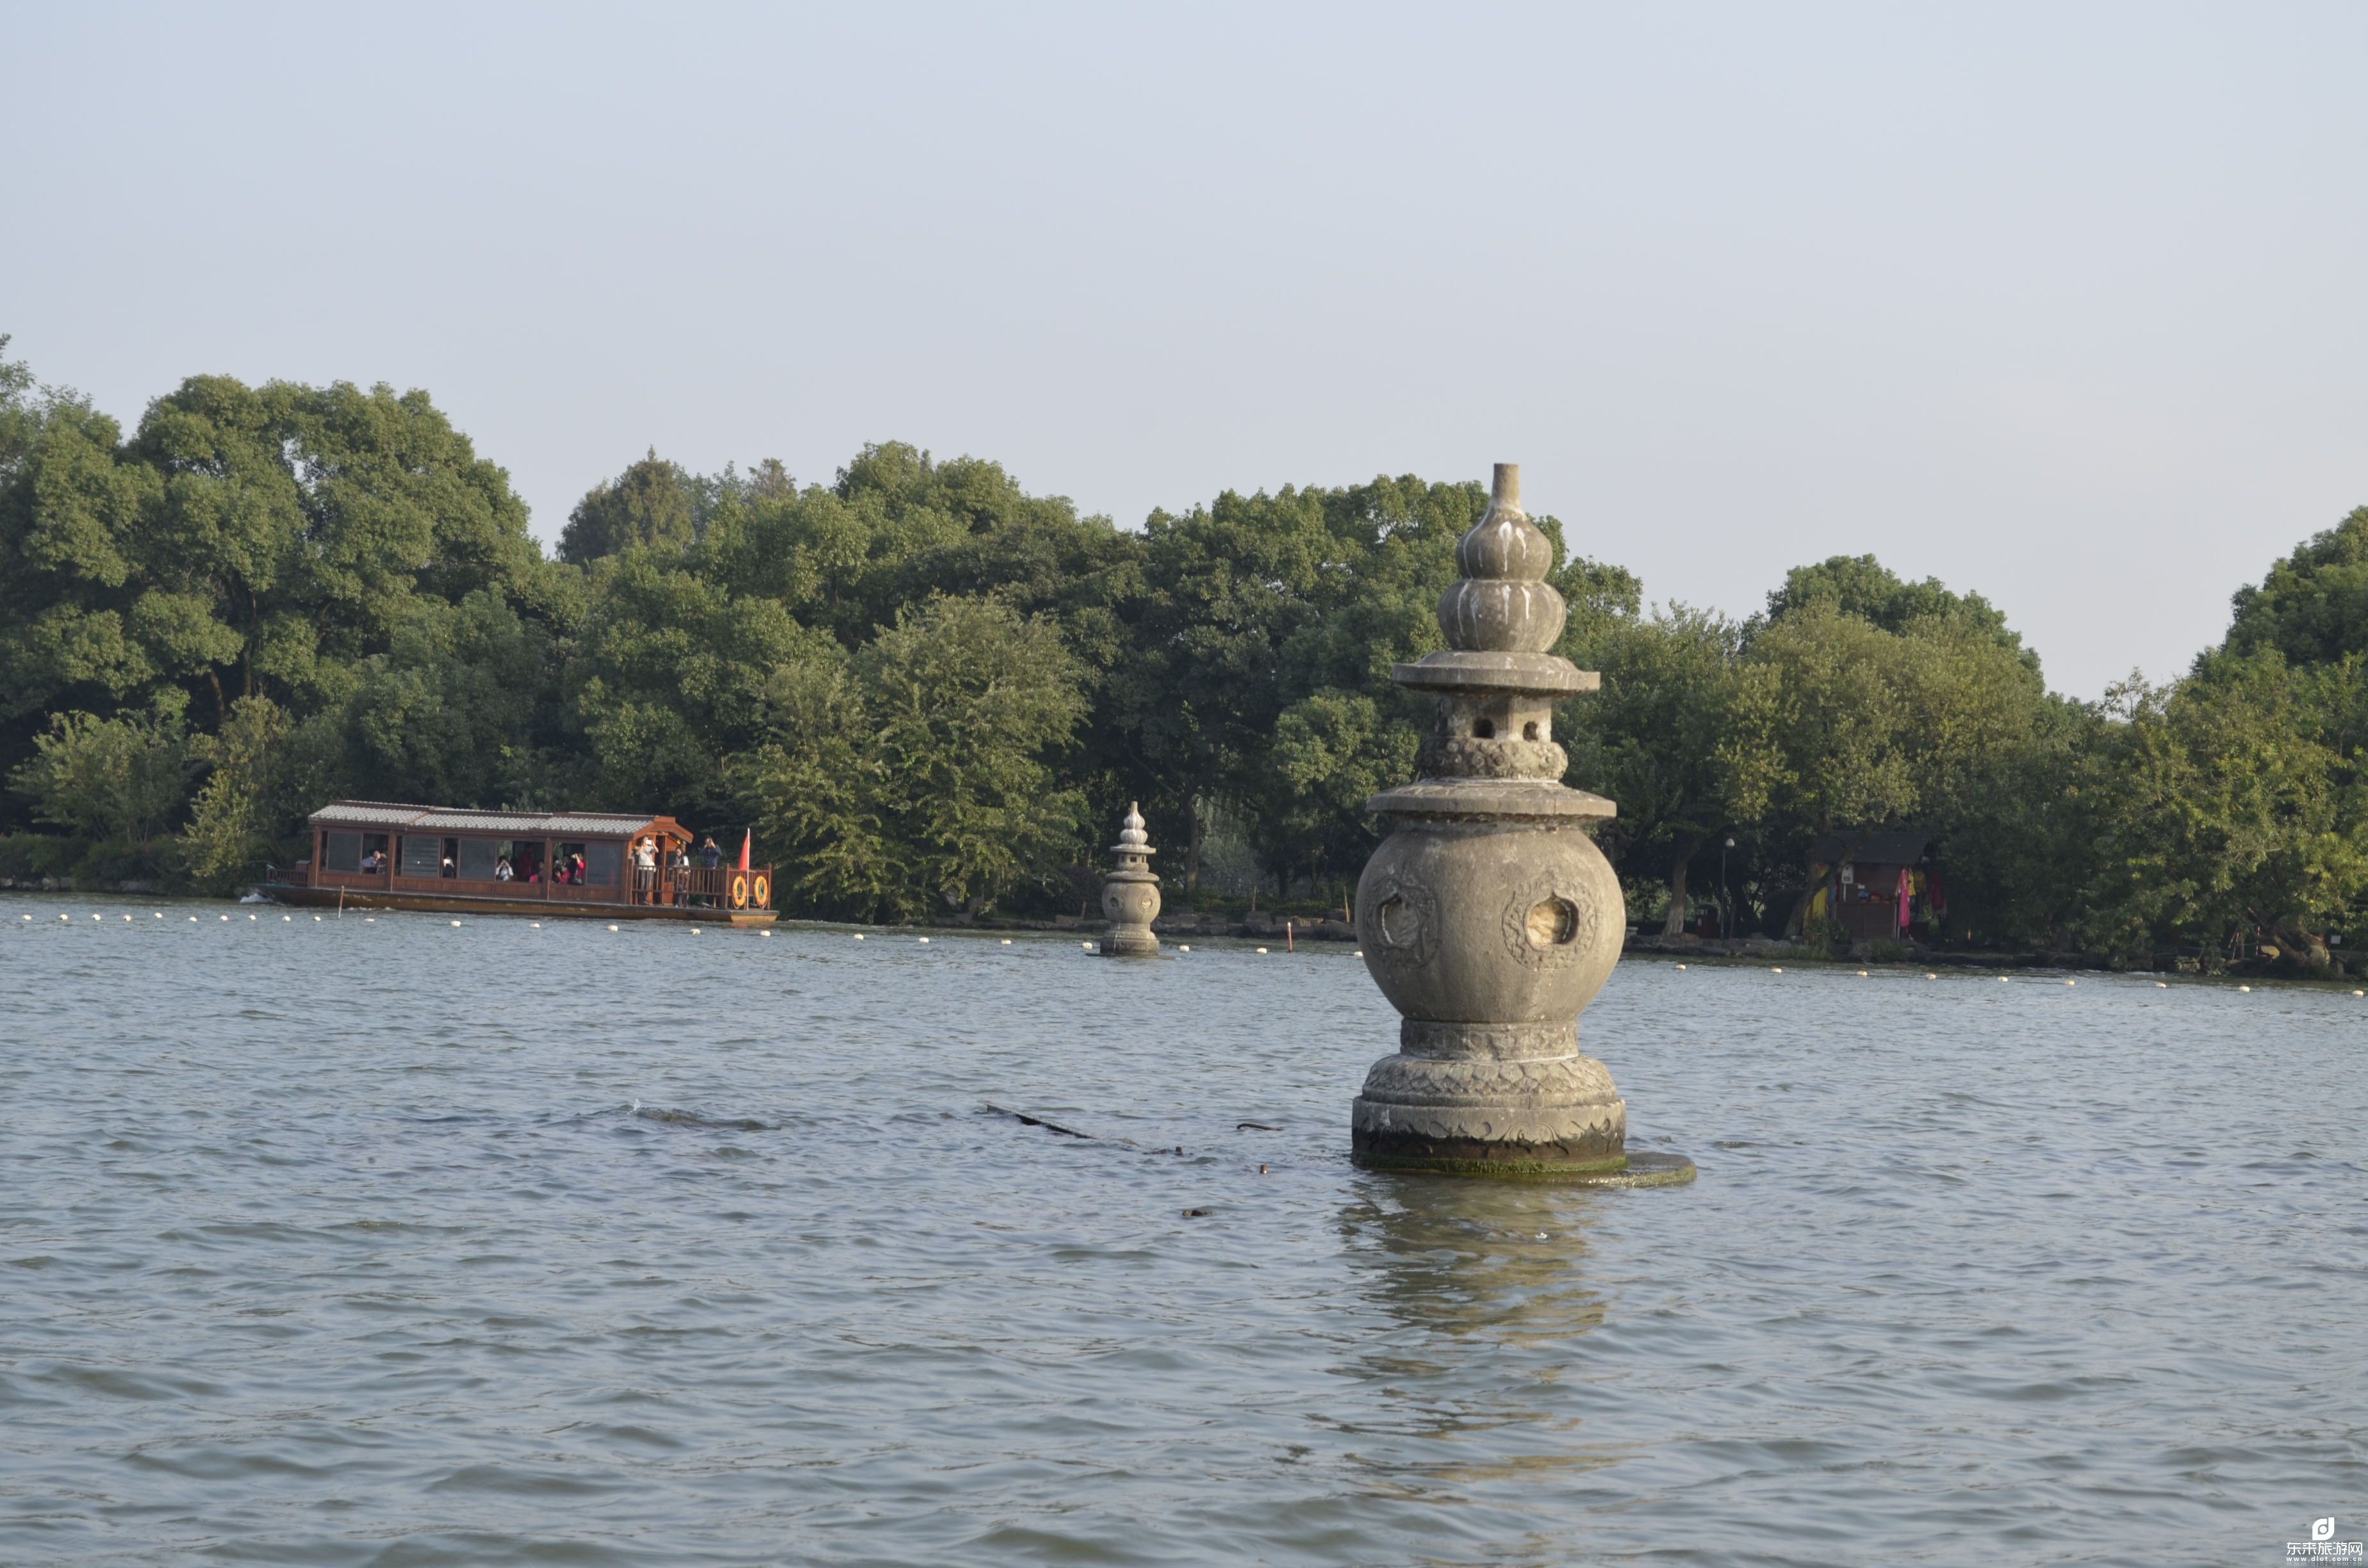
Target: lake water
{"x": 392, "y": 1242}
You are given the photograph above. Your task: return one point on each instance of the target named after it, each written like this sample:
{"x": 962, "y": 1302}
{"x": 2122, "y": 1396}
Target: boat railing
{"x": 722, "y": 888}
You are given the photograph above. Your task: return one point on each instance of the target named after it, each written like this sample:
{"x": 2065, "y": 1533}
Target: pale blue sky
{"x": 2062, "y": 303}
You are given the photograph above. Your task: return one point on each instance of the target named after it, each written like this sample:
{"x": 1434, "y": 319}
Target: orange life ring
{"x": 739, "y": 890}
{"x": 763, "y": 892}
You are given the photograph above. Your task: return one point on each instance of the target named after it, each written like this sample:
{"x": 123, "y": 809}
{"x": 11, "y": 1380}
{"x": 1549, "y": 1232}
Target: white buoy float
{"x": 925, "y": 941}
{"x": 1261, "y": 949}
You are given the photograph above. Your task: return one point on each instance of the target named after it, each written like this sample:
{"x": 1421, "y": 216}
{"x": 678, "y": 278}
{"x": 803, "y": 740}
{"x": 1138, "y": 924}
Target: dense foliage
{"x": 931, "y": 692}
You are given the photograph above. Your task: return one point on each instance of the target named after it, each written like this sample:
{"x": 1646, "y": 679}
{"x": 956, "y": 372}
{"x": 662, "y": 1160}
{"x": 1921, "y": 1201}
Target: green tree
{"x": 2313, "y": 606}
{"x": 1653, "y": 738}
{"x": 2225, "y": 813}
{"x": 236, "y": 816}
{"x": 1863, "y": 586}
{"x": 916, "y": 776}
{"x": 121, "y": 780}
{"x": 653, "y": 505}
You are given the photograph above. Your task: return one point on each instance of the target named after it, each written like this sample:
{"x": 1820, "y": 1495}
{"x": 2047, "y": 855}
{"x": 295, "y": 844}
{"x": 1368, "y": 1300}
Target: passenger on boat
{"x": 645, "y": 871}
{"x": 710, "y": 857}
{"x": 373, "y": 863}
{"x": 502, "y": 871}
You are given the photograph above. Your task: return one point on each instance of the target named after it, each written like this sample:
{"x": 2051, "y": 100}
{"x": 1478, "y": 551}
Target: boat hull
{"x": 472, "y": 903}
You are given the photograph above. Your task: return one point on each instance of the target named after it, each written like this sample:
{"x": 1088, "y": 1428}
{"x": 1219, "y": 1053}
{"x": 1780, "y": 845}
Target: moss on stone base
{"x": 1630, "y": 1170}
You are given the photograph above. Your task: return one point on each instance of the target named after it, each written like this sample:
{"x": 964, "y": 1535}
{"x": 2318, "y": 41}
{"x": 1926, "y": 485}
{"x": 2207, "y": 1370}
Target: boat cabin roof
{"x": 388, "y": 816}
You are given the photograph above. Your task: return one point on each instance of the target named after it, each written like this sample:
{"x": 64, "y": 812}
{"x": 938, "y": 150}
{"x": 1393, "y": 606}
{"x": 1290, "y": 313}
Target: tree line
{"x": 931, "y": 692}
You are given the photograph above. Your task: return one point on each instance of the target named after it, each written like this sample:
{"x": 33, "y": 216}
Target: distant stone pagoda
{"x": 1488, "y": 916}
{"x": 1131, "y": 895}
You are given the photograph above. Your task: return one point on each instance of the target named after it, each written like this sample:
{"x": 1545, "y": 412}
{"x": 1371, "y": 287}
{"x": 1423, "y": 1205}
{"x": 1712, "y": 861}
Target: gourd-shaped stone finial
{"x": 1503, "y": 603}
{"x": 1130, "y": 895}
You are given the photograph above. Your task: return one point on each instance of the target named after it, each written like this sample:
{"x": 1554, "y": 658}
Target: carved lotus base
{"x": 1468, "y": 1112}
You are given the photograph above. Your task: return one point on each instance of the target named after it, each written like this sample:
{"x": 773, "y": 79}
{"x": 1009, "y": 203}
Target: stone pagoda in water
{"x": 1488, "y": 916}
{"x": 1130, "y": 895}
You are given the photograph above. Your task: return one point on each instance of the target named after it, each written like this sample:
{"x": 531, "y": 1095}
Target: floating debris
{"x": 1026, "y": 1120}
{"x": 1196, "y": 1213}
{"x": 1254, "y": 1126}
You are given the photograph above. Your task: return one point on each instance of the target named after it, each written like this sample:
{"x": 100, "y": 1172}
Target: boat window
{"x": 343, "y": 853}
{"x": 477, "y": 857}
{"x": 422, "y": 857}
{"x": 601, "y": 864}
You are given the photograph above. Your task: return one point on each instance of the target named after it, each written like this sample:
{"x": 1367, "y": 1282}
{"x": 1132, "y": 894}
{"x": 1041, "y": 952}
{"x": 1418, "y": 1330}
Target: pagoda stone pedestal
{"x": 1488, "y": 917}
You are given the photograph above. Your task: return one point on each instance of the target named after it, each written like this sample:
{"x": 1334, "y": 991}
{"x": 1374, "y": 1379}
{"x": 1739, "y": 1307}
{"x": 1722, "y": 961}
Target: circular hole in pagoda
{"x": 1553, "y": 923}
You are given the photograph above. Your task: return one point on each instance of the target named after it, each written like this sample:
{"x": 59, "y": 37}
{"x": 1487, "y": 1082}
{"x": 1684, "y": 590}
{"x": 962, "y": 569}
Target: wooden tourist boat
{"x": 372, "y": 855}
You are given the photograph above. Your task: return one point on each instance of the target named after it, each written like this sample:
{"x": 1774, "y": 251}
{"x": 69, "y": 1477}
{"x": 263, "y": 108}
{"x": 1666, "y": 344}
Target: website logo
{"x": 2322, "y": 1546}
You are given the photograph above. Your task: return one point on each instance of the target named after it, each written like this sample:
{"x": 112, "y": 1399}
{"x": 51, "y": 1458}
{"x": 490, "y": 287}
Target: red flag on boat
{"x": 745, "y": 835}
